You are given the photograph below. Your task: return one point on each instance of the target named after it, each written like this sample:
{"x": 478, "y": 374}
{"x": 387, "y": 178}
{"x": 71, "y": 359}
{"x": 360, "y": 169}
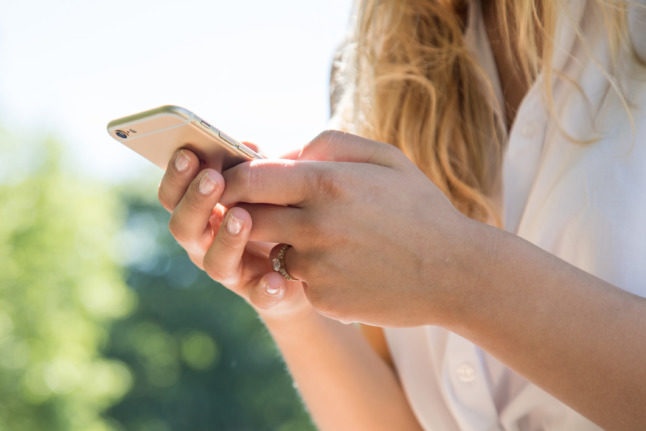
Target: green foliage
{"x": 59, "y": 287}
{"x": 200, "y": 357}
{"x": 82, "y": 350}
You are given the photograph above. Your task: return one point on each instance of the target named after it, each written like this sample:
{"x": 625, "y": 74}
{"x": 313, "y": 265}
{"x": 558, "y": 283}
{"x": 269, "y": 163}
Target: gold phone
{"x": 157, "y": 133}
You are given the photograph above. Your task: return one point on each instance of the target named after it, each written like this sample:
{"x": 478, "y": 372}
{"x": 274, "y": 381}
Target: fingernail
{"x": 234, "y": 225}
{"x": 271, "y": 290}
{"x": 181, "y": 161}
{"x": 208, "y": 182}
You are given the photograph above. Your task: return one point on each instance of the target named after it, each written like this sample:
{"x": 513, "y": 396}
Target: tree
{"x": 200, "y": 357}
{"x": 81, "y": 349}
{"x": 59, "y": 289}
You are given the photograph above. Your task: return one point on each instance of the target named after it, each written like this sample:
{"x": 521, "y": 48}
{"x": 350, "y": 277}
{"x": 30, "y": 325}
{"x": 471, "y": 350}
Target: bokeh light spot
{"x": 199, "y": 350}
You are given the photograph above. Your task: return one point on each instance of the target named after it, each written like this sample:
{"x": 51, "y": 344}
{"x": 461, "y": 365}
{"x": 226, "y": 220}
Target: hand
{"x": 217, "y": 240}
{"x": 372, "y": 238}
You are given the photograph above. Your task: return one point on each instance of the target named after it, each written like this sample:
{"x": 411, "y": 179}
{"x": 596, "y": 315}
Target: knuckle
{"x": 229, "y": 243}
{"x": 164, "y": 199}
{"x": 391, "y": 153}
{"x": 218, "y": 261}
{"x": 214, "y": 177}
{"x": 253, "y": 177}
{"x": 326, "y": 183}
{"x": 238, "y": 180}
{"x": 327, "y": 135}
{"x": 332, "y": 135}
{"x": 216, "y": 272}
{"x": 388, "y": 149}
{"x": 214, "y": 268}
{"x": 177, "y": 229}
{"x": 395, "y": 152}
{"x": 225, "y": 241}
{"x": 193, "y": 202}
{"x": 238, "y": 175}
{"x": 321, "y": 142}
{"x": 197, "y": 260}
{"x": 195, "y": 248}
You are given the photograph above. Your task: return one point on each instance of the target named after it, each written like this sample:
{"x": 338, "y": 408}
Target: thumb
{"x": 336, "y": 146}
{"x": 275, "y": 295}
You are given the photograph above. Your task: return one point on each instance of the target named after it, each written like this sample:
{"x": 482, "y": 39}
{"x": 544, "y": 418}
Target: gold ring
{"x": 278, "y": 263}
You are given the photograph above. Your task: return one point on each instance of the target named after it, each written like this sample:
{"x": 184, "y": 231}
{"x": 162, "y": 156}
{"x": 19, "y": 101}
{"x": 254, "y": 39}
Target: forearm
{"x": 576, "y": 336}
{"x": 344, "y": 383}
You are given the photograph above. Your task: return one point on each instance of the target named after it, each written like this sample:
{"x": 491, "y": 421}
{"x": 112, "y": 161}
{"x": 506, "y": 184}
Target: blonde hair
{"x": 414, "y": 84}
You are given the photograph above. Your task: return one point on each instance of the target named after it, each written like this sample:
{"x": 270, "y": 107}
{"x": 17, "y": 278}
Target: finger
{"x": 277, "y": 182}
{"x": 181, "y": 169}
{"x": 292, "y": 155}
{"x": 269, "y": 292}
{"x": 336, "y": 146}
{"x": 254, "y": 148}
{"x": 190, "y": 222}
{"x": 274, "y": 294}
{"x": 250, "y": 145}
{"x": 222, "y": 260}
{"x": 293, "y": 262}
{"x": 274, "y": 224}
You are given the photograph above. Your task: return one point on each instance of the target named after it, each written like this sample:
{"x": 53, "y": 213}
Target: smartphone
{"x": 157, "y": 133}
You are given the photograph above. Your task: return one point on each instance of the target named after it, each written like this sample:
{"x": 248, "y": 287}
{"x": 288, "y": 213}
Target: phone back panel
{"x": 158, "y": 133}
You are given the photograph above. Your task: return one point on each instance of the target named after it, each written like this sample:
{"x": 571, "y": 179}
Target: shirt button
{"x": 466, "y": 373}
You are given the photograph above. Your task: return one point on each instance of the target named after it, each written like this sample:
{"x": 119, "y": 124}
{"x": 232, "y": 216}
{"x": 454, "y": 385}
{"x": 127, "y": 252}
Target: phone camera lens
{"x": 121, "y": 134}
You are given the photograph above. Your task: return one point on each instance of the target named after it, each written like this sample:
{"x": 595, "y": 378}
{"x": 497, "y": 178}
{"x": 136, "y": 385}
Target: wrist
{"x": 476, "y": 266}
{"x": 295, "y": 327}
{"x": 278, "y": 320}
{"x": 292, "y": 309}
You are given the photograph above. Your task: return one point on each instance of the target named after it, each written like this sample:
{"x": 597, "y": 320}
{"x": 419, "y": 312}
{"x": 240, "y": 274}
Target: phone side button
{"x": 228, "y": 139}
{"x": 205, "y": 124}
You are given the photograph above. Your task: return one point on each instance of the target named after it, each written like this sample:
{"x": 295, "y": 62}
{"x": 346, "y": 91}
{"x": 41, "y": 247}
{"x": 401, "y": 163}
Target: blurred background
{"x": 104, "y": 322}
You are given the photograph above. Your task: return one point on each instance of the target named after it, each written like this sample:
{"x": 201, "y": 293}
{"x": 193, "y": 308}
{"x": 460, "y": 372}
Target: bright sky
{"x": 256, "y": 69}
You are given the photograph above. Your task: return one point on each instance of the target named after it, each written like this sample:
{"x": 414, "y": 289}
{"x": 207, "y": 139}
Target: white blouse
{"x": 585, "y": 203}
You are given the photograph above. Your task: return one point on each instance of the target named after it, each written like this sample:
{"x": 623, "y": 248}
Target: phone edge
{"x": 171, "y": 109}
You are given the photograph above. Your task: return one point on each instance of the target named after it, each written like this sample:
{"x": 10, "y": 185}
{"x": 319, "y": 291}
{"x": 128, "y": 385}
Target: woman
{"x": 527, "y": 116}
